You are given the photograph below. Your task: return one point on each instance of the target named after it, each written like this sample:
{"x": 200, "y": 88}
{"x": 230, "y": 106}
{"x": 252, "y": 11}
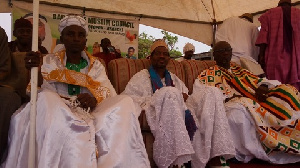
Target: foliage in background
{"x": 145, "y": 42}
{"x": 171, "y": 42}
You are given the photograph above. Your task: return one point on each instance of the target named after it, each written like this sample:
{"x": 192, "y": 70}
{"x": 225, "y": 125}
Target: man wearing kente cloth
{"x": 177, "y": 132}
{"x": 262, "y": 114}
{"x": 80, "y": 120}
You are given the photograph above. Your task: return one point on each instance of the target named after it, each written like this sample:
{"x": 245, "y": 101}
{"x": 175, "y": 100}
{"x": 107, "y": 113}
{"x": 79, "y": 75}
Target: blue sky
{"x": 156, "y": 33}
{"x": 5, "y": 22}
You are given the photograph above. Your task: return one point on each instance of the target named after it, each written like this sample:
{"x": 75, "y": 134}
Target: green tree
{"x": 145, "y": 42}
{"x": 171, "y": 42}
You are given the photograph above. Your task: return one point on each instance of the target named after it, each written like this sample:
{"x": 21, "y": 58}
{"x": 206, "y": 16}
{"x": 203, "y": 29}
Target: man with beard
{"x": 263, "y": 114}
{"x": 177, "y": 132}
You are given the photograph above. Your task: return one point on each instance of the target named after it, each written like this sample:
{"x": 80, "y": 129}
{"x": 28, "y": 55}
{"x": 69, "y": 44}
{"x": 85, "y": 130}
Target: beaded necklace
{"x": 75, "y": 89}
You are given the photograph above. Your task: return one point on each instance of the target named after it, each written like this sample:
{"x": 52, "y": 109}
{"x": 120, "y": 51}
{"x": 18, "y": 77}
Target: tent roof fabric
{"x": 193, "y": 10}
{"x": 190, "y": 18}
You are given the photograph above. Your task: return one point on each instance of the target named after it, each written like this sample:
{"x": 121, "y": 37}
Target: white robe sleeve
{"x": 98, "y": 73}
{"x": 139, "y": 89}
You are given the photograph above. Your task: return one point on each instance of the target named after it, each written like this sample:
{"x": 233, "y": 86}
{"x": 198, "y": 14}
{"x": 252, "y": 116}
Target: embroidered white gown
{"x": 66, "y": 139}
{"x": 242, "y": 127}
{"x": 165, "y": 112}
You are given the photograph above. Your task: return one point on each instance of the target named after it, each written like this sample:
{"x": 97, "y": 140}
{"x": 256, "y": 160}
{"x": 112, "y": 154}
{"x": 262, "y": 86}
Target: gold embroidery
{"x": 77, "y": 78}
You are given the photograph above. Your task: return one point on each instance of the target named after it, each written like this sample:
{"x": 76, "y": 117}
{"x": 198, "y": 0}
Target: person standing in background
{"x": 279, "y": 41}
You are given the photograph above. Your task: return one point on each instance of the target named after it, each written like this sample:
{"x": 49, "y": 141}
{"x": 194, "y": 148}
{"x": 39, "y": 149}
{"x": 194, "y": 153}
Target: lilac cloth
{"x": 280, "y": 65}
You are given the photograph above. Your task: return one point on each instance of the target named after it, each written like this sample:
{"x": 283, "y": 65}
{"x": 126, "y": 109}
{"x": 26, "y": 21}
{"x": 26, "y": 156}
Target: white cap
{"x": 188, "y": 47}
{"x": 72, "y": 20}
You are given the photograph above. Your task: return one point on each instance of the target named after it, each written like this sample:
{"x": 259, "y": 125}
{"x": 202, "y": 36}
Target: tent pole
{"x": 214, "y": 26}
{"x": 34, "y": 80}
{"x": 214, "y": 32}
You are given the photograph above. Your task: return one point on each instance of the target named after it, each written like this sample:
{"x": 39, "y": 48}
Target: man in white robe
{"x": 246, "y": 110}
{"x": 241, "y": 34}
{"x": 80, "y": 120}
{"x": 166, "y": 112}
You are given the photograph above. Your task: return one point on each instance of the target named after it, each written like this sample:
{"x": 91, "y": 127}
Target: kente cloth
{"x": 276, "y": 119}
{"x": 165, "y": 113}
{"x": 241, "y": 35}
{"x": 157, "y": 84}
{"x": 213, "y": 137}
{"x": 92, "y": 79}
{"x": 281, "y": 55}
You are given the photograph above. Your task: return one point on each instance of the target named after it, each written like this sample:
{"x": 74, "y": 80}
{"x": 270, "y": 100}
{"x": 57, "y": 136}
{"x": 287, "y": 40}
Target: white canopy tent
{"x": 189, "y": 18}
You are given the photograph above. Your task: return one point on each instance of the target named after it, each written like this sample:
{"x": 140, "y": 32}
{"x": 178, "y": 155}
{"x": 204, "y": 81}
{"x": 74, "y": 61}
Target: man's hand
{"x": 87, "y": 101}
{"x": 234, "y": 96}
{"x": 32, "y": 59}
{"x": 185, "y": 96}
{"x": 261, "y": 93}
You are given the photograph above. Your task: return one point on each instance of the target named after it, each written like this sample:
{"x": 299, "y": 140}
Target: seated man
{"x": 262, "y": 114}
{"x": 23, "y": 33}
{"x": 80, "y": 120}
{"x": 162, "y": 96}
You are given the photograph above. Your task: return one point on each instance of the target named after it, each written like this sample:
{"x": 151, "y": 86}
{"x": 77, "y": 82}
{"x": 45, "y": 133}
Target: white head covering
{"x": 188, "y": 47}
{"x": 47, "y": 42}
{"x": 72, "y": 20}
{"x": 58, "y": 47}
{"x": 158, "y": 43}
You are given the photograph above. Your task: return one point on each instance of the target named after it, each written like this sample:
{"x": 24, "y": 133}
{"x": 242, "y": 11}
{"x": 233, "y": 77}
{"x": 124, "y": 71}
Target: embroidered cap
{"x": 158, "y": 43}
{"x": 72, "y": 20}
{"x": 188, "y": 47}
